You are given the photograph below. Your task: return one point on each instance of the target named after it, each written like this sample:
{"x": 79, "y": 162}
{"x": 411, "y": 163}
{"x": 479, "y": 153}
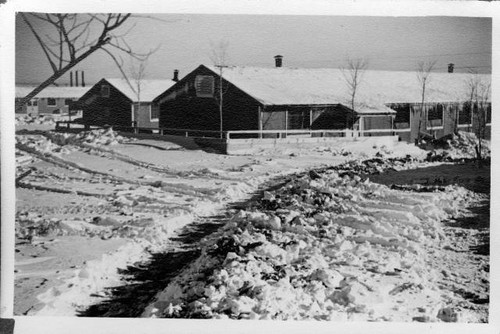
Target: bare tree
{"x": 220, "y": 58}
{"x": 74, "y": 37}
{"x": 478, "y": 91}
{"x": 353, "y": 75}
{"x": 136, "y": 81}
{"x": 424, "y": 70}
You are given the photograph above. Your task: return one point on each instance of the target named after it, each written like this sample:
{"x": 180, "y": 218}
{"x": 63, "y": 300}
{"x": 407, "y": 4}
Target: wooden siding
{"x": 181, "y": 108}
{"x": 45, "y": 109}
{"x": 449, "y": 124}
{"x": 112, "y": 110}
{"x": 378, "y": 122}
{"x": 142, "y": 117}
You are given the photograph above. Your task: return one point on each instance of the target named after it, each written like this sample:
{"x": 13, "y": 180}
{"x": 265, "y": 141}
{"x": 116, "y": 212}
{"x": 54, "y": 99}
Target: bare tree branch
{"x": 42, "y": 44}
{"x": 219, "y": 53}
{"x": 72, "y": 41}
{"x": 117, "y": 60}
{"x": 220, "y": 57}
{"x": 424, "y": 70}
{"x": 478, "y": 92}
{"x": 353, "y": 75}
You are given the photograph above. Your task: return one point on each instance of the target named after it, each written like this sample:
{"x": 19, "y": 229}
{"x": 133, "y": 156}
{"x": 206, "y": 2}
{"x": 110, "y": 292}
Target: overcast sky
{"x": 389, "y": 43}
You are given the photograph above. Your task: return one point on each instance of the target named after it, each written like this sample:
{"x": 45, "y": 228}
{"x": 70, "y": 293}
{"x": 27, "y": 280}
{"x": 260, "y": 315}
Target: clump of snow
{"x": 324, "y": 246}
{"x": 40, "y": 144}
{"x": 34, "y": 119}
{"x": 29, "y": 228}
{"x": 94, "y": 137}
{"x": 63, "y": 143}
{"x": 458, "y": 146}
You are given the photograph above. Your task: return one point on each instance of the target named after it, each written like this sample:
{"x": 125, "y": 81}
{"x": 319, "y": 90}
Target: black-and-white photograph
{"x": 326, "y": 168}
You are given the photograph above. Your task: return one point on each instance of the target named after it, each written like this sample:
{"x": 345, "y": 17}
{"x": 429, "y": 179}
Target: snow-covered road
{"x": 327, "y": 245}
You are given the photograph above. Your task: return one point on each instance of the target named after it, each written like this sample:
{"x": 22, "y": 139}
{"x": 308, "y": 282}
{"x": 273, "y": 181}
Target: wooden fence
{"x": 235, "y": 134}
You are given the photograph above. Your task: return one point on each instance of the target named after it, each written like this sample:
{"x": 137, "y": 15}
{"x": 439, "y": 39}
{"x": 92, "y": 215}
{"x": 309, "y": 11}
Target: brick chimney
{"x": 176, "y": 76}
{"x": 450, "y": 67}
{"x": 278, "y": 60}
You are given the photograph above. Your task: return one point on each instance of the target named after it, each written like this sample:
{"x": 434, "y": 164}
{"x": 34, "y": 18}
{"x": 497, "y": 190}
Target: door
{"x": 32, "y": 107}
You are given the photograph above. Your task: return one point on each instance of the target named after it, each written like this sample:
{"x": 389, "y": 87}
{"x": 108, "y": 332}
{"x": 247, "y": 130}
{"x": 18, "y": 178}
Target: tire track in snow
{"x": 27, "y": 185}
{"x": 150, "y": 166}
{"x": 144, "y": 280}
{"x": 50, "y": 158}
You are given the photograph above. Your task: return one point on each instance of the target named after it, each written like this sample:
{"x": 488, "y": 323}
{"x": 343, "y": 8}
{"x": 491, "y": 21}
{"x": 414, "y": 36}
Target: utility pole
{"x": 220, "y": 96}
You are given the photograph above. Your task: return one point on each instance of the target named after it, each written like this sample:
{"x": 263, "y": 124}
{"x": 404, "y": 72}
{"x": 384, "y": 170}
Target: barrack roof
{"x": 150, "y": 89}
{"x": 304, "y": 86}
{"x": 53, "y": 92}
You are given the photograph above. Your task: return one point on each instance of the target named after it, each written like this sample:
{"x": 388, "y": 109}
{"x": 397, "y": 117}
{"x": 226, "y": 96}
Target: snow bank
{"x": 64, "y": 143}
{"x": 38, "y": 120}
{"x": 95, "y": 137}
{"x": 145, "y": 235}
{"x": 324, "y": 247}
{"x": 41, "y": 144}
{"x": 458, "y": 146}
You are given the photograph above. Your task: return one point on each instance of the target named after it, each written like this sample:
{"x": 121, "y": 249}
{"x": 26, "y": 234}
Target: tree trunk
{"x": 422, "y": 113}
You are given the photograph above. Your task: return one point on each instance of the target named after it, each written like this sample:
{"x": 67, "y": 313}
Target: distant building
{"x": 280, "y": 98}
{"x": 50, "y": 101}
{"x": 114, "y": 102}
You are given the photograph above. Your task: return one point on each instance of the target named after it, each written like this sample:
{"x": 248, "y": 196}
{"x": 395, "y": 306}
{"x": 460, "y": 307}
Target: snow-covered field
{"x": 112, "y": 226}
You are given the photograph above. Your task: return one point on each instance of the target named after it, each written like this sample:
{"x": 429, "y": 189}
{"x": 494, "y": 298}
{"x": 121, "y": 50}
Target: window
{"x": 435, "y": 116}
{"x": 298, "y": 119}
{"x": 465, "y": 115}
{"x": 51, "y": 102}
{"x": 204, "y": 85}
{"x": 402, "y": 119}
{"x": 33, "y": 103}
{"x": 105, "y": 91}
{"x": 68, "y": 102}
{"x": 154, "y": 113}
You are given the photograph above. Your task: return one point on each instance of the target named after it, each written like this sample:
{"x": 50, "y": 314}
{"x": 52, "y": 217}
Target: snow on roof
{"x": 150, "y": 89}
{"x": 296, "y": 86}
{"x": 53, "y": 92}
